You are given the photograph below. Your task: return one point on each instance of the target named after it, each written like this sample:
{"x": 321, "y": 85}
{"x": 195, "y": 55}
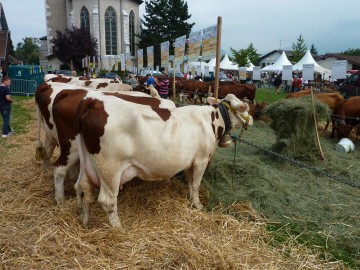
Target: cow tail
{"x": 40, "y": 150}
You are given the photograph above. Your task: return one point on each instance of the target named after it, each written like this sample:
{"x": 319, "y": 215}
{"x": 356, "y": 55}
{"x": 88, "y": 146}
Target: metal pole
{"x": 218, "y": 48}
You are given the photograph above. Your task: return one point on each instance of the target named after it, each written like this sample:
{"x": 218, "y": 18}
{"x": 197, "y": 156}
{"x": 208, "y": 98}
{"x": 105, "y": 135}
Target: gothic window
{"x": 84, "y": 19}
{"x": 132, "y": 33}
{"x": 110, "y": 31}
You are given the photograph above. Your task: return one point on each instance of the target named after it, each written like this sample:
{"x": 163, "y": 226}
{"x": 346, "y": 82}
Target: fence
{"x": 23, "y": 87}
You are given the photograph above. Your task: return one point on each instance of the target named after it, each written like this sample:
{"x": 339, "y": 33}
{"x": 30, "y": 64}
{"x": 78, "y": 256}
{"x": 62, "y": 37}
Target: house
{"x": 5, "y": 41}
{"x": 114, "y": 23}
{"x": 326, "y": 60}
{"x": 271, "y": 57}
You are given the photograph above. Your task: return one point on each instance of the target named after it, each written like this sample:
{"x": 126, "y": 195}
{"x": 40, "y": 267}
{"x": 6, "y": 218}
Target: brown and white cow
{"x": 119, "y": 139}
{"x": 345, "y": 117}
{"x": 58, "y": 104}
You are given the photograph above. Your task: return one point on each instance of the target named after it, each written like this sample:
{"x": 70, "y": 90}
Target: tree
{"x": 164, "y": 20}
{"x": 313, "y": 50}
{"x": 243, "y": 56}
{"x": 73, "y": 45}
{"x": 28, "y": 50}
{"x": 352, "y": 52}
{"x": 299, "y": 49}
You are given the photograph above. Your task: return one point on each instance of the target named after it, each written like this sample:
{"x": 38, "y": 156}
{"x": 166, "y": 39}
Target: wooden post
{"x": 218, "y": 49}
{"x": 174, "y": 87}
{"x": 315, "y": 124}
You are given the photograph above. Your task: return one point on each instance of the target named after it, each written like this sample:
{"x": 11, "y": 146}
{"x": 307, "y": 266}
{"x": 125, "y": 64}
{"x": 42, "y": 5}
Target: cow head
{"x": 238, "y": 110}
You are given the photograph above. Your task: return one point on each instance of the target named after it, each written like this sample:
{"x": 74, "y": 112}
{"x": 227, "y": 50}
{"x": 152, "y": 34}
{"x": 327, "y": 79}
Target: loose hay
{"x": 293, "y": 123}
{"x": 161, "y": 229}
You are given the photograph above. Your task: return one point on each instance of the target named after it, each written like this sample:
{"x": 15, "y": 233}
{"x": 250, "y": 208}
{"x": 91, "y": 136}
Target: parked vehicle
{"x": 351, "y": 86}
{"x": 64, "y": 72}
{"x": 110, "y": 75}
{"x": 177, "y": 74}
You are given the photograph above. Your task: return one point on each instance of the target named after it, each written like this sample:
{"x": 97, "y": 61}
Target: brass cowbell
{"x": 225, "y": 140}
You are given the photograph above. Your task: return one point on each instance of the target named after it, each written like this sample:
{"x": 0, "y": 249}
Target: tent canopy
{"x": 308, "y": 59}
{"x": 278, "y": 65}
{"x": 227, "y": 64}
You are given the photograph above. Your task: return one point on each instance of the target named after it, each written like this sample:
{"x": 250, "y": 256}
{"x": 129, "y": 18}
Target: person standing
{"x": 164, "y": 86}
{"x": 5, "y": 105}
{"x": 277, "y": 83}
{"x": 296, "y": 84}
{"x": 150, "y": 80}
{"x": 132, "y": 81}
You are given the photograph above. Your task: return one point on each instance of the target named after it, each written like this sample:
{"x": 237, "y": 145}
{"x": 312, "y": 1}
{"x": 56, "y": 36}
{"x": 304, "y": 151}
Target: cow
{"x": 299, "y": 94}
{"x": 346, "y": 116}
{"x": 120, "y": 139}
{"x": 241, "y": 91}
{"x": 67, "y": 79}
{"x": 57, "y": 103}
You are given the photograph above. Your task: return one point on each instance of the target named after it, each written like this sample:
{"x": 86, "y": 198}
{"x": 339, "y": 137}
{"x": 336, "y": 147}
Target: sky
{"x": 332, "y": 26}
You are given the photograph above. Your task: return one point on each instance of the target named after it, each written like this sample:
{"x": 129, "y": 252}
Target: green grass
{"x": 20, "y": 118}
{"x": 317, "y": 211}
{"x": 268, "y": 95}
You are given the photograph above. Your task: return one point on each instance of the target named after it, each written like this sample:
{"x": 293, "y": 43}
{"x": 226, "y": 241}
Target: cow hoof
{"x": 59, "y": 199}
{"x": 198, "y": 206}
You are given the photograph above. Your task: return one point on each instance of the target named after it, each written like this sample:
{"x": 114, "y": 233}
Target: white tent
{"x": 202, "y": 65}
{"x": 227, "y": 64}
{"x": 212, "y": 62}
{"x": 308, "y": 59}
{"x": 250, "y": 67}
{"x": 278, "y": 65}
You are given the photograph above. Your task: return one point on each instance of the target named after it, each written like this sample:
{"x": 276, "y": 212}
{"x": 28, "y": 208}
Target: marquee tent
{"x": 212, "y": 62}
{"x": 278, "y": 65}
{"x": 227, "y": 64}
{"x": 202, "y": 65}
{"x": 250, "y": 67}
{"x": 308, "y": 59}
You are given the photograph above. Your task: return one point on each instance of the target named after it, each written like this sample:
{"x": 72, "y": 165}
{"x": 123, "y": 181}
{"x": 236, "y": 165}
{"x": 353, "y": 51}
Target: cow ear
{"x": 244, "y": 107}
{"x": 213, "y": 101}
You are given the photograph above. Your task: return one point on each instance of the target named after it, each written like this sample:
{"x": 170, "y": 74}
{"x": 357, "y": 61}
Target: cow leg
{"x": 63, "y": 165}
{"x": 327, "y": 124}
{"x": 194, "y": 181}
{"x": 108, "y": 200}
{"x": 49, "y": 146}
{"x": 332, "y": 135}
{"x": 84, "y": 196}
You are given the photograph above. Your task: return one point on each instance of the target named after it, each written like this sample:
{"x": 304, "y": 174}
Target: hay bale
{"x": 293, "y": 123}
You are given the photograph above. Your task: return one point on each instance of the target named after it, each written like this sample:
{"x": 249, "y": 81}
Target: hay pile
{"x": 161, "y": 230}
{"x": 293, "y": 123}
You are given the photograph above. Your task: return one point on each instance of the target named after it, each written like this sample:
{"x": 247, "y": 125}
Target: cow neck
{"x": 224, "y": 111}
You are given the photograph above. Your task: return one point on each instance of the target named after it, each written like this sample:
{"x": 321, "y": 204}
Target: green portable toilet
{"x": 27, "y": 72}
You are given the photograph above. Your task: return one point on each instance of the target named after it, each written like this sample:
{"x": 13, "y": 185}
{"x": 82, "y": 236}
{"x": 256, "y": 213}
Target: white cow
{"x": 120, "y": 140}
{"x": 58, "y": 103}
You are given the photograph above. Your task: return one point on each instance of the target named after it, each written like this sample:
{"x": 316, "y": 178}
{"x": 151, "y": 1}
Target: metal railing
{"x": 23, "y": 87}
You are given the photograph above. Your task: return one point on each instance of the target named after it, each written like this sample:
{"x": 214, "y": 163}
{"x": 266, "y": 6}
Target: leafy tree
{"x": 165, "y": 20}
{"x": 352, "y": 52}
{"x": 28, "y": 50}
{"x": 243, "y": 56}
{"x": 73, "y": 45}
{"x": 313, "y": 50}
{"x": 299, "y": 49}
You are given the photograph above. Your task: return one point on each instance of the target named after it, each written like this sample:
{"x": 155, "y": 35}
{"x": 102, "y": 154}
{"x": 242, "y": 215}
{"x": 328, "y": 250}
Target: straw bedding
{"x": 160, "y": 228}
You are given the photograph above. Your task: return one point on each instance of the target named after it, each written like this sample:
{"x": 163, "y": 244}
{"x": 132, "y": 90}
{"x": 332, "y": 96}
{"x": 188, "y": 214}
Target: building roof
{"x": 4, "y": 39}
{"x": 3, "y": 22}
{"x": 287, "y": 53}
{"x": 353, "y": 59}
